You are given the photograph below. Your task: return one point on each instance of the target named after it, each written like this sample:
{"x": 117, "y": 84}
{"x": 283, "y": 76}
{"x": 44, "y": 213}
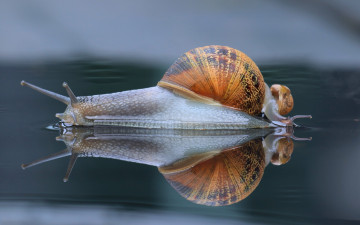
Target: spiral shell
{"x": 283, "y": 97}
{"x": 285, "y": 148}
{"x": 223, "y": 74}
{"x": 224, "y": 179}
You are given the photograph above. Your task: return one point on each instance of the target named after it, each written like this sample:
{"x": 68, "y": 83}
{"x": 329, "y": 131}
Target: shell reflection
{"x": 214, "y": 168}
{"x": 224, "y": 179}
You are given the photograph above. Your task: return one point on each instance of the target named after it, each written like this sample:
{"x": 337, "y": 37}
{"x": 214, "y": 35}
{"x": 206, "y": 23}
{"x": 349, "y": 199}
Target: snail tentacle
{"x": 300, "y": 139}
{"x": 72, "y": 161}
{"x": 289, "y": 122}
{"x": 70, "y": 93}
{"x": 61, "y": 98}
{"x": 300, "y": 116}
{"x": 48, "y": 158}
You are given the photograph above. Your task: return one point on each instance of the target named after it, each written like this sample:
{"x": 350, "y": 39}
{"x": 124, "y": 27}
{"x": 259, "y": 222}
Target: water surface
{"x": 319, "y": 185}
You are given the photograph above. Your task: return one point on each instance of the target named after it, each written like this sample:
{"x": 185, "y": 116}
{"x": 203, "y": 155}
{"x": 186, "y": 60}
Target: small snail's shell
{"x": 220, "y": 73}
{"x": 224, "y": 179}
{"x": 283, "y": 152}
{"x": 283, "y": 98}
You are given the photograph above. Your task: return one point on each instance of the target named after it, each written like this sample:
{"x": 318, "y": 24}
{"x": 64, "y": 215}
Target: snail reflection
{"x": 214, "y": 167}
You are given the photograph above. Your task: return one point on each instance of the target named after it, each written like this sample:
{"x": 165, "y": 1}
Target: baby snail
{"x": 211, "y": 87}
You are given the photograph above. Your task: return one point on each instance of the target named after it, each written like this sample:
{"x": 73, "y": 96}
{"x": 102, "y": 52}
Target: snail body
{"x": 212, "y": 87}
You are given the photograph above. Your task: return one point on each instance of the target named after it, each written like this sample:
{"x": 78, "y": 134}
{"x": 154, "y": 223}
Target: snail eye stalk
{"x": 70, "y": 93}
{"x": 61, "y": 98}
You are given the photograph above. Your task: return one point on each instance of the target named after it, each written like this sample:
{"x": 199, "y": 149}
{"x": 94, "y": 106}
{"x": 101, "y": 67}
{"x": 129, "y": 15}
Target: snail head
{"x": 283, "y": 97}
{"x": 71, "y": 114}
{"x": 74, "y": 140}
{"x": 68, "y": 116}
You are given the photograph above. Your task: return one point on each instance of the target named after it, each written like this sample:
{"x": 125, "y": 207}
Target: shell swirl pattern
{"x": 224, "y": 179}
{"x": 221, "y": 73}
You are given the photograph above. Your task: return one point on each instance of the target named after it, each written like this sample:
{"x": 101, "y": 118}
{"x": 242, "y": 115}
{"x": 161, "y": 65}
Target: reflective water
{"x": 319, "y": 185}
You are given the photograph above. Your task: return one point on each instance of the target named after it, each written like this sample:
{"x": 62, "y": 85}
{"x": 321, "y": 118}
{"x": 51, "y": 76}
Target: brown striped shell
{"x": 223, "y": 179}
{"x": 220, "y": 73}
{"x": 285, "y": 147}
{"x": 283, "y": 97}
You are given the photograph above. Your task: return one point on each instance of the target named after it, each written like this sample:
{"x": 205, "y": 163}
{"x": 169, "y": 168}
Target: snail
{"x": 211, "y": 87}
{"x": 209, "y": 167}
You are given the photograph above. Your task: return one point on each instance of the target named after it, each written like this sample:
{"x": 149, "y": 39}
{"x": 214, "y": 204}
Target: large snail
{"x": 210, "y": 167}
{"x": 212, "y": 87}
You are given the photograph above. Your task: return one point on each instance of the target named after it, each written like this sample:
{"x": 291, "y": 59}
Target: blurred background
{"x": 312, "y": 46}
{"x": 320, "y": 32}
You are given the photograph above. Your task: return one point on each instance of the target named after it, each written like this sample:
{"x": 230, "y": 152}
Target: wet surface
{"x": 319, "y": 185}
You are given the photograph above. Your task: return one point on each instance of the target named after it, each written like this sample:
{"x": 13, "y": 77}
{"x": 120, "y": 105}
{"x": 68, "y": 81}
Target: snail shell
{"x": 284, "y": 151}
{"x": 223, "y": 74}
